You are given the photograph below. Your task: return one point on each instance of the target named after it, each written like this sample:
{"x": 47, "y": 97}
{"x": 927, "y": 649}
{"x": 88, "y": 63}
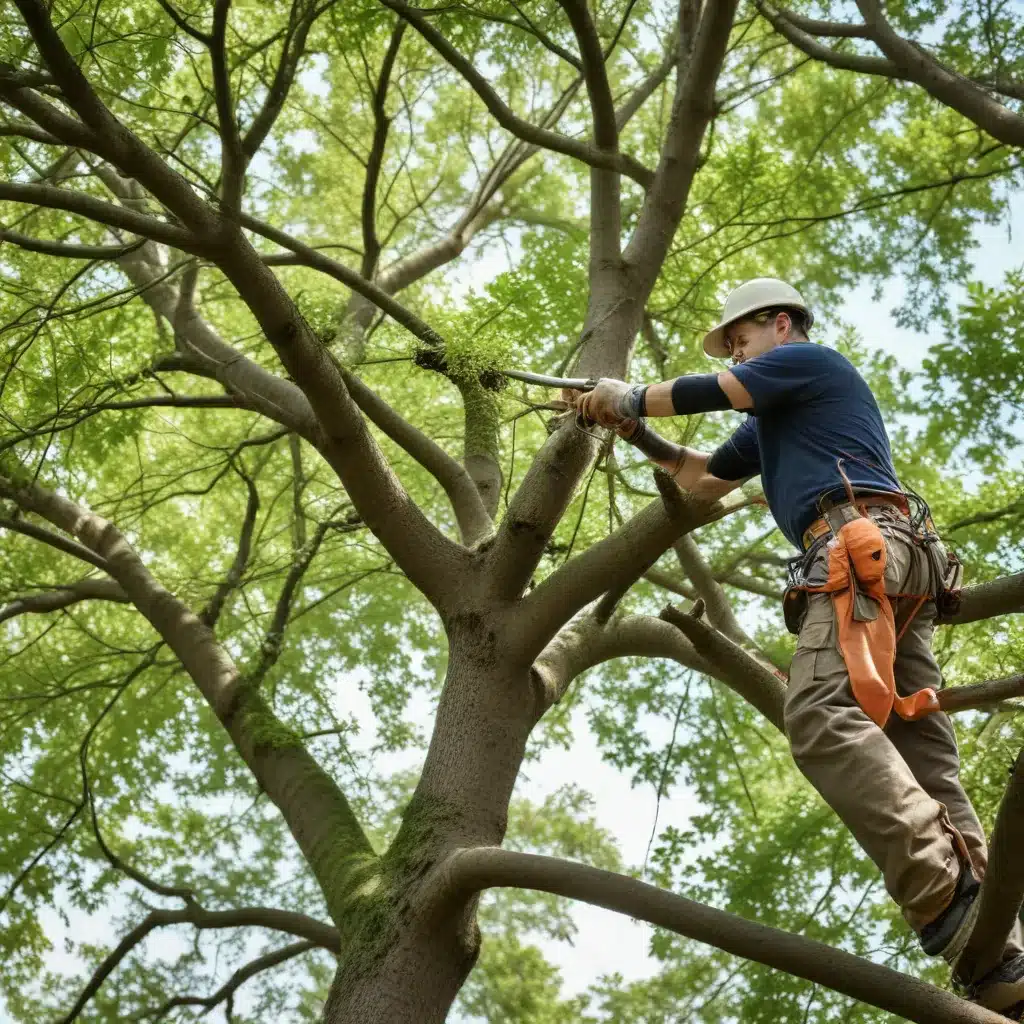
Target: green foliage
{"x": 827, "y": 178}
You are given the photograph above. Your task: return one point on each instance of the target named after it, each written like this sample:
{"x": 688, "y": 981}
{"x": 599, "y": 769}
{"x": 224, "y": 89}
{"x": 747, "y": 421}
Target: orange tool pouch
{"x": 856, "y": 572}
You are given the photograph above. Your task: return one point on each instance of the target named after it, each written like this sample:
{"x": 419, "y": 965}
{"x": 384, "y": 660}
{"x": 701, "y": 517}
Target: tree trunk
{"x": 413, "y": 947}
{"x": 414, "y": 979}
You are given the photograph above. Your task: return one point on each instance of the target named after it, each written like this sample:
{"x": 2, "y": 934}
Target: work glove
{"x": 612, "y": 402}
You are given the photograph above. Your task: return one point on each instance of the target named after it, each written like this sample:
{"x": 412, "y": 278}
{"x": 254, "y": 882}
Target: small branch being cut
{"x": 468, "y": 871}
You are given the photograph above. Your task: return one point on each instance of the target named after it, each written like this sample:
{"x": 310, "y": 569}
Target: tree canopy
{"x": 273, "y": 521}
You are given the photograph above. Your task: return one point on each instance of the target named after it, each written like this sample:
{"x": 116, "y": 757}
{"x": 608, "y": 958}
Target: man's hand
{"x": 603, "y": 405}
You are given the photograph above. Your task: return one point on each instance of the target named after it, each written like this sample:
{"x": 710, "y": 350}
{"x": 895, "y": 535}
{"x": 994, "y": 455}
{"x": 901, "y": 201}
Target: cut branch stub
{"x": 763, "y": 687}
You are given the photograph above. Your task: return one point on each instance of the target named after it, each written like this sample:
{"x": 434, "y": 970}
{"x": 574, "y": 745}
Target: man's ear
{"x": 783, "y": 324}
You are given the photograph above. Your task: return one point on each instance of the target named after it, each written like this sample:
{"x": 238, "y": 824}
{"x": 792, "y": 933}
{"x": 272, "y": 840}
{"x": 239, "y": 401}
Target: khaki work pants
{"x": 898, "y": 789}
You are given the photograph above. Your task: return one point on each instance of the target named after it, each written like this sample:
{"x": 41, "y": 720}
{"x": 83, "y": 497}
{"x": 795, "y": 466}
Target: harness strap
{"x": 858, "y": 557}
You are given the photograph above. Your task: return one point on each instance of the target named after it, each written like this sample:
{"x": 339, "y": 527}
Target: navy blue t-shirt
{"x": 811, "y": 408}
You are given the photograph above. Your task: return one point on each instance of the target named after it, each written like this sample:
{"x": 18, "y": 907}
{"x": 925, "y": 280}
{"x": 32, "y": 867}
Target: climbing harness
{"x": 855, "y": 580}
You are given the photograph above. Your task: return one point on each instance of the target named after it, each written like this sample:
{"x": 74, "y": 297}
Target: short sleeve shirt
{"x": 811, "y": 409}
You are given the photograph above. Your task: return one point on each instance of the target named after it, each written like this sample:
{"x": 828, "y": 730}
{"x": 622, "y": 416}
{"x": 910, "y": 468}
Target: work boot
{"x": 947, "y": 935}
{"x": 1002, "y": 989}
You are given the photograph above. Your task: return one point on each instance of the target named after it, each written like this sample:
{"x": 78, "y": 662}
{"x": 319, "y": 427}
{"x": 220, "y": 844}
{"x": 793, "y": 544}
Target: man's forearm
{"x": 686, "y": 465}
{"x": 695, "y": 393}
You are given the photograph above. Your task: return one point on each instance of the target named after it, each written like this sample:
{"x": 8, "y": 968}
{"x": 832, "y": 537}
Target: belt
{"x": 822, "y": 526}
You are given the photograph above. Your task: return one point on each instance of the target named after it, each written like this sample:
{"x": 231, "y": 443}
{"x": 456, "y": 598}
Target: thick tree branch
{"x": 1002, "y": 891}
{"x": 206, "y": 354}
{"x": 946, "y": 85}
{"x": 55, "y": 125}
{"x": 68, "y": 250}
{"x": 987, "y": 600}
{"x": 790, "y": 27}
{"x": 586, "y": 642}
{"x": 692, "y": 111}
{"x": 471, "y": 870}
{"x": 829, "y": 29}
{"x": 315, "y": 809}
{"x": 605, "y": 187}
{"x": 904, "y": 60}
{"x": 1015, "y": 508}
{"x": 111, "y": 139}
{"x": 335, "y": 427}
{"x": 55, "y": 540}
{"x": 63, "y": 597}
{"x": 759, "y": 685}
{"x": 979, "y": 695}
{"x": 97, "y": 210}
{"x": 611, "y": 564}
{"x": 510, "y": 121}
{"x": 29, "y": 131}
{"x": 595, "y": 74}
{"x": 473, "y": 519}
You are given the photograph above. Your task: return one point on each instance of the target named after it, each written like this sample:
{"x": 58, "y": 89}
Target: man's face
{"x": 746, "y": 339}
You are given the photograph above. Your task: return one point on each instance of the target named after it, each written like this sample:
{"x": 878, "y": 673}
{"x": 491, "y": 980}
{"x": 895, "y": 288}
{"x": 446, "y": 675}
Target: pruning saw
{"x": 571, "y": 383}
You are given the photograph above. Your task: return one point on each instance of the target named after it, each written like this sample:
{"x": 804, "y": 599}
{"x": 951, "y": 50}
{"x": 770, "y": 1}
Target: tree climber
{"x": 863, "y": 600}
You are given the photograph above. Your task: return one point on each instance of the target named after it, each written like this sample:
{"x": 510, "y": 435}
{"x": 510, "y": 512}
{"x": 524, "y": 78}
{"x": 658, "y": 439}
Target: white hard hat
{"x": 750, "y": 297}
